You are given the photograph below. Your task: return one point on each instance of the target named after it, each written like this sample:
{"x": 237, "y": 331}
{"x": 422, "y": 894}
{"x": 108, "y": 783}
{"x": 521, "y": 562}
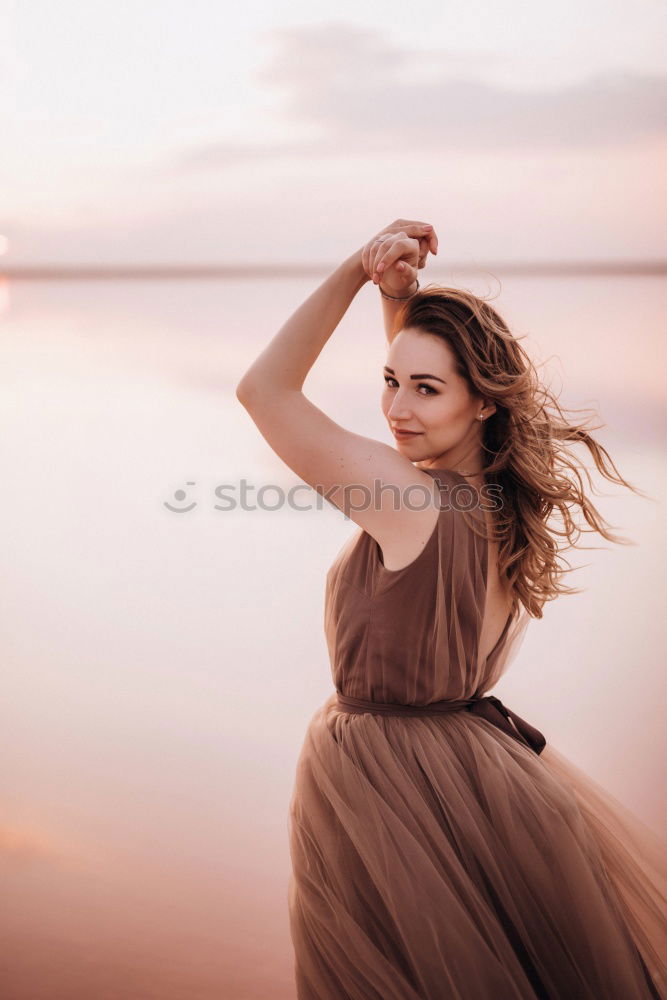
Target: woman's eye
{"x": 422, "y": 385}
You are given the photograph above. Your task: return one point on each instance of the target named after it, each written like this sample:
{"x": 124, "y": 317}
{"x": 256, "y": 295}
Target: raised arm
{"x": 333, "y": 460}
{"x": 390, "y": 308}
{"x": 395, "y": 276}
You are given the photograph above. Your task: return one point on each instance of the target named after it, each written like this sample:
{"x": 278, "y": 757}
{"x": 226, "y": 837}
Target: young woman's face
{"x": 437, "y": 405}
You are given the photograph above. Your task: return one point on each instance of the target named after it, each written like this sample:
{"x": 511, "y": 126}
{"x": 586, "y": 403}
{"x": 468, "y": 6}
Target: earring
{"x": 481, "y": 416}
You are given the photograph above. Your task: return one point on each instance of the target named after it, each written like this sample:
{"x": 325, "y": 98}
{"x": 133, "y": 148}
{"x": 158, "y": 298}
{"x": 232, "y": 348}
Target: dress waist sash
{"x": 487, "y": 706}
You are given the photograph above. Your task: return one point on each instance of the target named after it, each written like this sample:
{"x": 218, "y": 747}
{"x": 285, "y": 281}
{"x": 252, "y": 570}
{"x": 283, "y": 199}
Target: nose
{"x": 398, "y": 410}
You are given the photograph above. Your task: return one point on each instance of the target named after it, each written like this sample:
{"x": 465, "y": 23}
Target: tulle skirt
{"x": 436, "y": 857}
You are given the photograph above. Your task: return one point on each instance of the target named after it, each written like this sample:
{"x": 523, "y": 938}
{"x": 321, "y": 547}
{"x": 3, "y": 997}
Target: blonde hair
{"x": 524, "y": 447}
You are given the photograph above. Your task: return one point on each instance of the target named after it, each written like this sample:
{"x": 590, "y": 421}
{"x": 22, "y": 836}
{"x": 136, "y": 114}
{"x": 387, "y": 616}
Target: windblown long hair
{"x": 524, "y": 448}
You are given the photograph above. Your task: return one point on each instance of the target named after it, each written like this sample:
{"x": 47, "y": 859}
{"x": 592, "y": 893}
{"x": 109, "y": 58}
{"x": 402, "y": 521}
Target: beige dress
{"x": 439, "y": 850}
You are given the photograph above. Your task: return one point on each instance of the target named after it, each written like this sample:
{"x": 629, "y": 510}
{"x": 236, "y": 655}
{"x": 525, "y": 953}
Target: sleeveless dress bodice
{"x": 411, "y": 635}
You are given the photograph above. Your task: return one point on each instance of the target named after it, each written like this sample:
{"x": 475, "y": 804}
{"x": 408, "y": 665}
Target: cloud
{"x": 347, "y": 90}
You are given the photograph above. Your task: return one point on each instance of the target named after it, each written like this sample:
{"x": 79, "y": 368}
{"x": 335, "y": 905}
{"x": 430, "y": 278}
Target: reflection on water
{"x": 161, "y": 667}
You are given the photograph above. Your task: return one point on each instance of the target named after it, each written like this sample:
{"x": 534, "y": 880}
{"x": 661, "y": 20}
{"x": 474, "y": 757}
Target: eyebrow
{"x": 434, "y": 377}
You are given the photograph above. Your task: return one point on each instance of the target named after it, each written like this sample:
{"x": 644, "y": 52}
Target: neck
{"x": 469, "y": 465}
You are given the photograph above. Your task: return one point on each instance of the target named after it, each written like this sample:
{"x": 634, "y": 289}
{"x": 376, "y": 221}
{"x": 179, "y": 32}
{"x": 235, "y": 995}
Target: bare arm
{"x": 390, "y": 309}
{"x": 327, "y": 456}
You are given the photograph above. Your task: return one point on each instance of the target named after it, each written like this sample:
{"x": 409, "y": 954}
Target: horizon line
{"x": 539, "y": 268}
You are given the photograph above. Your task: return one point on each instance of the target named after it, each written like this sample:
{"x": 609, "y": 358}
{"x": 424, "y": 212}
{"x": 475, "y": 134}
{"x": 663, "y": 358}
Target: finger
{"x": 407, "y": 270}
{"x": 377, "y": 252}
{"x": 400, "y": 248}
{"x": 424, "y": 248}
{"x": 423, "y": 230}
{"x": 368, "y": 255}
{"x": 430, "y": 236}
{"x": 419, "y": 229}
{"x": 372, "y": 255}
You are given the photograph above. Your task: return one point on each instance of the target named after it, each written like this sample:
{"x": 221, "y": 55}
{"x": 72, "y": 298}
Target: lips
{"x": 397, "y": 431}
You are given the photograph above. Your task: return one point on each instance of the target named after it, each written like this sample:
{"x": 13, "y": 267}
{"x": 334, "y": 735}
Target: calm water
{"x": 160, "y": 667}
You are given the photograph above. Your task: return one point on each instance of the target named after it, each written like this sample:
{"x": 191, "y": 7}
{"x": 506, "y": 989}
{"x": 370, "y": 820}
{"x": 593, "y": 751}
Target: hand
{"x": 396, "y": 253}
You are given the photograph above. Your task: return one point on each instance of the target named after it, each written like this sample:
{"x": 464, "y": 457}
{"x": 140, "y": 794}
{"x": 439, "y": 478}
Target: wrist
{"x": 396, "y": 294}
{"x": 354, "y": 267}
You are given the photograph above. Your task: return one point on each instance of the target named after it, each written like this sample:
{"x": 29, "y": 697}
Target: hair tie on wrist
{"x": 399, "y": 298}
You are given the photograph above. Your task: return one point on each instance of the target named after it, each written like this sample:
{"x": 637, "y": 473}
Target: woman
{"x": 439, "y": 848}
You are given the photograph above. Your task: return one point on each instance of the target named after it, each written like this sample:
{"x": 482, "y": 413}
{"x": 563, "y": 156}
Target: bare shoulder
{"x": 403, "y": 536}
{"x": 403, "y": 528}
{"x": 372, "y": 483}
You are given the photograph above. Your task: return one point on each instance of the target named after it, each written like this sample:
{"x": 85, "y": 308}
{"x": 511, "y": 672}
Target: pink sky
{"x": 288, "y": 135}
